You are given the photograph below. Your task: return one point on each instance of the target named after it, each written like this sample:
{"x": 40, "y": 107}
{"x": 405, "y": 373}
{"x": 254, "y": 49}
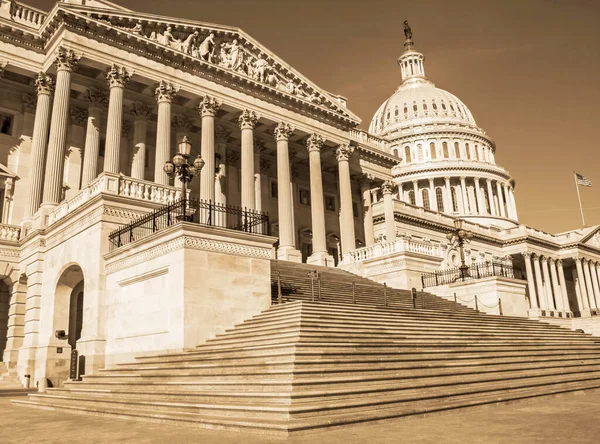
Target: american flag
{"x": 582, "y": 180}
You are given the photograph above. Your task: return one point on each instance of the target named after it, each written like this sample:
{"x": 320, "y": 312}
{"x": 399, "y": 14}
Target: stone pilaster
{"x": 43, "y": 86}
{"x": 141, "y": 112}
{"x": 97, "y": 100}
{"x": 343, "y": 154}
{"x": 208, "y": 108}
{"x": 387, "y": 188}
{"x": 117, "y": 77}
{"x": 247, "y": 122}
{"x": 164, "y": 94}
{"x": 286, "y": 250}
{"x": 65, "y": 61}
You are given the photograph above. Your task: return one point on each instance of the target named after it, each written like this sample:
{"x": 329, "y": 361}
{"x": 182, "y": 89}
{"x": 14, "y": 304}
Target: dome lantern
{"x": 411, "y": 62}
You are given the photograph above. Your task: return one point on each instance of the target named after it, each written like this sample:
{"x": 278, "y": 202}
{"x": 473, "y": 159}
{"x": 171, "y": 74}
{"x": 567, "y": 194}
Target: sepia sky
{"x": 527, "y": 69}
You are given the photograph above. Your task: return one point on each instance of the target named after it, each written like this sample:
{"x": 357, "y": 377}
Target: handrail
{"x": 474, "y": 271}
{"x": 191, "y": 210}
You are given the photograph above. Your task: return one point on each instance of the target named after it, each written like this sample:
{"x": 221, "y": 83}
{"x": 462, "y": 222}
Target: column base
{"x": 534, "y": 313}
{"x": 289, "y": 254}
{"x": 586, "y": 313}
{"x": 321, "y": 258}
{"x": 40, "y": 218}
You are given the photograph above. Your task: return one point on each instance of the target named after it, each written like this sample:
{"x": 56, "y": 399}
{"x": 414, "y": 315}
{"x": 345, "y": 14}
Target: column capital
{"x": 283, "y": 131}
{"x": 117, "y": 76}
{"x": 551, "y": 260}
{"x": 366, "y": 179}
{"x": 265, "y": 165}
{"x": 343, "y": 152}
{"x": 232, "y": 157}
{"x": 125, "y": 127}
{"x": 476, "y": 179}
{"x": 527, "y": 254}
{"x": 248, "y": 119}
{"x": 65, "y": 59}
{"x": 165, "y": 91}
{"x": 387, "y": 187}
{"x": 140, "y": 111}
{"x": 431, "y": 179}
{"x": 44, "y": 84}
{"x": 259, "y": 145}
{"x": 447, "y": 178}
{"x": 314, "y": 142}
{"x": 181, "y": 123}
{"x": 208, "y": 106}
{"x": 96, "y": 97}
{"x": 78, "y": 116}
{"x": 29, "y": 103}
{"x": 576, "y": 259}
{"x": 462, "y": 178}
{"x": 544, "y": 259}
{"x": 559, "y": 262}
{"x": 221, "y": 134}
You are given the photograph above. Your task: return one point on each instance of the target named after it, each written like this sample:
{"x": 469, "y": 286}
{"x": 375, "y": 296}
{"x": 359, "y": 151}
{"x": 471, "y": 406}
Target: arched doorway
{"x": 68, "y": 317}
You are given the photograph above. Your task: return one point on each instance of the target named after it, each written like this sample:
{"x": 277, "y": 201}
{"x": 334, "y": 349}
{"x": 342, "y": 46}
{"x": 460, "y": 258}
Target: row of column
{"x": 546, "y": 283}
{"x": 500, "y": 196}
{"x": 586, "y": 276}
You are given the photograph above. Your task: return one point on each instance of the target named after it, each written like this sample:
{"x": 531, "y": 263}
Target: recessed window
{"x": 6, "y": 124}
{"x": 405, "y": 110}
{"x": 396, "y": 152}
{"x": 330, "y": 203}
{"x": 468, "y": 151}
{"x": 147, "y": 158}
{"x": 432, "y": 151}
{"x": 456, "y": 150}
{"x": 425, "y": 106}
{"x": 407, "y": 156}
{"x": 274, "y": 189}
{"x": 439, "y": 198}
{"x": 355, "y": 207}
{"x": 443, "y": 106}
{"x": 420, "y": 153}
{"x": 396, "y": 112}
{"x": 411, "y": 197}
{"x": 445, "y": 149}
{"x": 303, "y": 196}
{"x": 415, "y": 107}
{"x": 425, "y": 195}
{"x": 434, "y": 106}
{"x": 454, "y": 199}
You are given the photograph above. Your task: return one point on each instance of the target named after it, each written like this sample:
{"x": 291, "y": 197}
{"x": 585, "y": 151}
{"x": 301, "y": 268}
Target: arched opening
{"x": 420, "y": 153}
{"x": 468, "y": 151}
{"x": 425, "y": 195}
{"x": 4, "y": 310}
{"x": 68, "y": 316}
{"x": 432, "y": 152}
{"x": 396, "y": 152}
{"x": 407, "y": 156}
{"x": 439, "y": 198}
{"x": 456, "y": 150}
{"x": 445, "y": 149}
{"x": 454, "y": 199}
{"x": 411, "y": 197}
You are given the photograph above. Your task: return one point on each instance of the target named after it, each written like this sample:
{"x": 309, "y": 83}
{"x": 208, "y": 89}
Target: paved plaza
{"x": 571, "y": 418}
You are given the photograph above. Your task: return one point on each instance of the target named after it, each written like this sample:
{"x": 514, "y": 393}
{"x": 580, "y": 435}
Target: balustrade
{"x": 402, "y": 245}
{"x": 9, "y": 232}
{"x": 27, "y": 15}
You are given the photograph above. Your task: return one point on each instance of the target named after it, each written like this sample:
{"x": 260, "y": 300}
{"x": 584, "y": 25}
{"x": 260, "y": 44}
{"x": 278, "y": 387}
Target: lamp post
{"x": 180, "y": 168}
{"x": 459, "y": 236}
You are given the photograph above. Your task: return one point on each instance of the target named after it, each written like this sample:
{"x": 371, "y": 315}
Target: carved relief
{"x": 78, "y": 116}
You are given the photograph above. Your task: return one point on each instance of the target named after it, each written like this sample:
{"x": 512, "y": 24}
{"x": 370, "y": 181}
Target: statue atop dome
{"x": 407, "y": 30}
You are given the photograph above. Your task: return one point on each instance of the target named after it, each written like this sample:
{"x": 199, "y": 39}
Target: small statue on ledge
{"x": 407, "y": 30}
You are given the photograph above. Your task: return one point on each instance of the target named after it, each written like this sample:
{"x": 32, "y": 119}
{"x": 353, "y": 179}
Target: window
{"x": 411, "y": 197}
{"x": 468, "y": 151}
{"x": 6, "y": 124}
{"x": 407, "y": 156}
{"x": 396, "y": 152}
{"x": 434, "y": 106}
{"x": 355, "y": 211}
{"x": 405, "y": 111}
{"x": 477, "y": 156}
{"x": 432, "y": 150}
{"x": 454, "y": 199}
{"x": 396, "y": 112}
{"x": 456, "y": 150}
{"x": 330, "y": 203}
{"x": 425, "y": 195}
{"x": 274, "y": 189}
{"x": 303, "y": 196}
{"x": 415, "y": 108}
{"x": 439, "y": 198}
{"x": 445, "y": 149}
{"x": 420, "y": 153}
{"x": 147, "y": 158}
{"x": 443, "y": 106}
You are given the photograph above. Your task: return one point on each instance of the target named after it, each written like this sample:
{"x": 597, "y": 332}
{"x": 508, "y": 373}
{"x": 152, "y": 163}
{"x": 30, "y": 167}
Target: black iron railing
{"x": 475, "y": 271}
{"x": 194, "y": 211}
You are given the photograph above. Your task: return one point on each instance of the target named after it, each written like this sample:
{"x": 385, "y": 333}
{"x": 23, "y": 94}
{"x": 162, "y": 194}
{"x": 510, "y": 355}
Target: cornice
{"x": 456, "y": 171}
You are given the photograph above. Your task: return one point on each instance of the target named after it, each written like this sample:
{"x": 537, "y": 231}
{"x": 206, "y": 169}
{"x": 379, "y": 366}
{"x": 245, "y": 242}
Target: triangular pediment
{"x": 228, "y": 50}
{"x": 592, "y": 239}
{"x": 96, "y": 4}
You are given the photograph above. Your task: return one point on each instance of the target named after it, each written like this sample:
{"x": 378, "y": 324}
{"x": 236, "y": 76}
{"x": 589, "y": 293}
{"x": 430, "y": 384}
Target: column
{"x": 247, "y": 122}
{"x": 588, "y": 282}
{"x": 563, "y": 286}
{"x": 594, "y": 279}
{"x": 258, "y": 147}
{"x": 221, "y": 137}
{"x": 548, "y": 284}
{"x": 465, "y": 199}
{"x": 117, "y": 77}
{"x": 479, "y": 197}
{"x": 367, "y": 204}
{"x": 43, "y": 85}
{"x": 141, "y": 112}
{"x": 513, "y": 203}
{"x": 286, "y": 250}
{"x": 530, "y": 280}
{"x": 208, "y": 108}
{"x": 558, "y": 299}
{"x": 418, "y": 196}
{"x": 388, "y": 210}
{"x": 97, "y": 100}
{"x": 164, "y": 94}
{"x": 582, "y": 288}
{"x": 448, "y": 196}
{"x": 432, "y": 196}
{"x": 493, "y": 211}
{"x": 65, "y": 61}
{"x": 317, "y": 205}
{"x": 502, "y": 210}
{"x": 343, "y": 154}
{"x": 539, "y": 283}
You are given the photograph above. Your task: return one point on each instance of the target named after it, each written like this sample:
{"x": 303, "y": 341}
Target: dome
{"x": 419, "y": 102}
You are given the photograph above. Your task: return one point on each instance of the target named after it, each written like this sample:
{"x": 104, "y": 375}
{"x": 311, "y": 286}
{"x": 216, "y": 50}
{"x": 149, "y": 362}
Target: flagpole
{"x": 579, "y": 197}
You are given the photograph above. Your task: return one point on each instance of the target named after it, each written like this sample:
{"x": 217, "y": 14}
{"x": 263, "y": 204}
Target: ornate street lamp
{"x": 180, "y": 168}
{"x": 459, "y": 236}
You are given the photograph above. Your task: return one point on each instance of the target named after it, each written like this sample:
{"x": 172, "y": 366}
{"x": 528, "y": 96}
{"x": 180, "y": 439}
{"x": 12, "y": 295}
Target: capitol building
{"x": 157, "y": 172}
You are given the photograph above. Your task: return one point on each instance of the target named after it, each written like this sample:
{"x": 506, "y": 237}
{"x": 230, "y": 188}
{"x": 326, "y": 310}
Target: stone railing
{"x": 9, "y": 232}
{"x": 27, "y": 15}
{"x": 367, "y": 139}
{"x": 117, "y": 185}
{"x": 402, "y": 245}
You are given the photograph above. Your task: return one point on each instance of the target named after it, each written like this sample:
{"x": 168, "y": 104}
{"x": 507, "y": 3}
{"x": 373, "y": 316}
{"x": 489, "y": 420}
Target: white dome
{"x": 417, "y": 102}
